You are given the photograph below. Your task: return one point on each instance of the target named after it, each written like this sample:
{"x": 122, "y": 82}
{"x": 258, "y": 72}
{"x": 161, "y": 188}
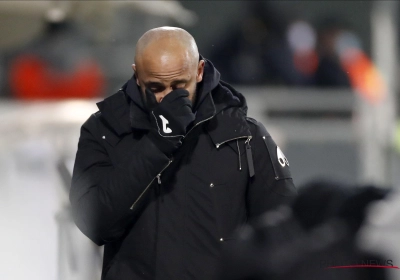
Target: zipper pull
{"x": 159, "y": 179}
{"x": 249, "y": 156}
{"x": 240, "y": 161}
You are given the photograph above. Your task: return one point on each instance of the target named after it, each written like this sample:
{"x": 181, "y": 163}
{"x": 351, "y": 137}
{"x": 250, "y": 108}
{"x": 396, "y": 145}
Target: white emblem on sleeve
{"x": 281, "y": 157}
{"x": 164, "y": 124}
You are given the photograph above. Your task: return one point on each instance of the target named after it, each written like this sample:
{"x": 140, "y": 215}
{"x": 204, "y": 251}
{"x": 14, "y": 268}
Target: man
{"x": 170, "y": 166}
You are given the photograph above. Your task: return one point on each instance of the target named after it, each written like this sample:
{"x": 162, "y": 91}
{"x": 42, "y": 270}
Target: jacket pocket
{"x": 223, "y": 205}
{"x": 214, "y": 197}
{"x": 219, "y": 178}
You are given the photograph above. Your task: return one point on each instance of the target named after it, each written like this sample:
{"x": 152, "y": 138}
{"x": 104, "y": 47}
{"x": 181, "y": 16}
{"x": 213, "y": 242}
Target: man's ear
{"x": 200, "y": 71}
{"x": 135, "y": 72}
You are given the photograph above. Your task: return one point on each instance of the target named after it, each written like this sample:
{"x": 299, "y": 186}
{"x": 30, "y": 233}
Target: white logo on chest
{"x": 281, "y": 157}
{"x": 164, "y": 125}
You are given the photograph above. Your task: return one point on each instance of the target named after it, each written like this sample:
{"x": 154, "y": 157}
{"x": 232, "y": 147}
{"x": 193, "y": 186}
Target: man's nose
{"x": 161, "y": 95}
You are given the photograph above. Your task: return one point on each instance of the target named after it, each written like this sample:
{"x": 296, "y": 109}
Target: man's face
{"x": 163, "y": 73}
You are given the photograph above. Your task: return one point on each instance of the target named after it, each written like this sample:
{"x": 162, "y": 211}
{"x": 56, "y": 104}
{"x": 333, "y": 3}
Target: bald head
{"x": 167, "y": 58}
{"x": 166, "y": 41}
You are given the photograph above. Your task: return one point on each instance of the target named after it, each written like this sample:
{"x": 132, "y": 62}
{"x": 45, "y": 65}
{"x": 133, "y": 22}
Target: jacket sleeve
{"x": 102, "y": 193}
{"x": 272, "y": 183}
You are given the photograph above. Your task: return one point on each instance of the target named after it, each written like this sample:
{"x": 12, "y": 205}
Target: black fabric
{"x": 278, "y": 159}
{"x": 302, "y": 240}
{"x": 168, "y": 218}
{"x": 323, "y": 200}
{"x": 211, "y": 78}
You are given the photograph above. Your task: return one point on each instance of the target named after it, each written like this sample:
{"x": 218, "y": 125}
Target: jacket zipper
{"x": 159, "y": 174}
{"x": 248, "y": 153}
{"x": 240, "y": 137}
{"x": 240, "y": 161}
{"x": 159, "y": 182}
{"x": 249, "y": 156}
{"x": 197, "y": 125}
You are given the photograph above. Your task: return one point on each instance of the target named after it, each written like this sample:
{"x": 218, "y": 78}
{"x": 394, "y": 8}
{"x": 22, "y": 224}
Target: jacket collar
{"x": 224, "y": 123}
{"x": 204, "y": 105}
{"x": 138, "y": 115}
{"x": 230, "y": 124}
{"x": 125, "y": 110}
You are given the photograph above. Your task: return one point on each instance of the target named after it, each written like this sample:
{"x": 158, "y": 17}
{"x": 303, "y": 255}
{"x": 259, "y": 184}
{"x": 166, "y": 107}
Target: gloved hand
{"x": 170, "y": 118}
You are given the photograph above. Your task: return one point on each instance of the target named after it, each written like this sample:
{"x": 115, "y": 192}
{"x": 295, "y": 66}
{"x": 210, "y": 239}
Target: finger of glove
{"x": 183, "y": 109}
{"x": 176, "y": 109}
{"x": 174, "y": 114}
{"x": 180, "y": 102}
{"x": 151, "y": 100}
{"x": 175, "y": 94}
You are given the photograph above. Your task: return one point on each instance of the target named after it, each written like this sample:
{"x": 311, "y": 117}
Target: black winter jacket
{"x": 168, "y": 218}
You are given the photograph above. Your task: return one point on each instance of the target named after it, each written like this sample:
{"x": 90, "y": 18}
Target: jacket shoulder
{"x": 256, "y": 127}
{"x": 92, "y": 121}
{"x": 97, "y": 114}
{"x": 117, "y": 99}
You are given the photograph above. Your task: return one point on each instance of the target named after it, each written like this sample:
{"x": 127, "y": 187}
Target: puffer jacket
{"x": 169, "y": 218}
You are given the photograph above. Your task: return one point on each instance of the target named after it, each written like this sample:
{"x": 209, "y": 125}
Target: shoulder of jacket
{"x": 257, "y": 127}
{"x": 251, "y": 120}
{"x": 93, "y": 122}
{"x": 97, "y": 114}
{"x": 116, "y": 97}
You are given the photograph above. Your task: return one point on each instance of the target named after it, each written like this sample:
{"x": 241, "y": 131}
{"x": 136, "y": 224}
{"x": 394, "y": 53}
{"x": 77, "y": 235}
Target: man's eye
{"x": 179, "y": 86}
{"x": 155, "y": 90}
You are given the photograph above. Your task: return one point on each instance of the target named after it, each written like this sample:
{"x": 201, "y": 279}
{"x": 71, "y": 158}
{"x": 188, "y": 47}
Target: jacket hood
{"x": 213, "y": 96}
{"x": 211, "y": 80}
{"x": 228, "y": 96}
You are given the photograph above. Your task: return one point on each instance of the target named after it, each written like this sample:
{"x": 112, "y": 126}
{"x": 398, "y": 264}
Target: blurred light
{"x": 77, "y": 111}
{"x": 301, "y": 36}
{"x": 302, "y": 40}
{"x": 347, "y": 40}
{"x": 55, "y": 15}
{"x": 364, "y": 77}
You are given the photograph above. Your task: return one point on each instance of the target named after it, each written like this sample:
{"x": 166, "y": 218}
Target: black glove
{"x": 170, "y": 118}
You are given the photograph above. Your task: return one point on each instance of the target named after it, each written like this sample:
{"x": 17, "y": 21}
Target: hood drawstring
{"x": 240, "y": 161}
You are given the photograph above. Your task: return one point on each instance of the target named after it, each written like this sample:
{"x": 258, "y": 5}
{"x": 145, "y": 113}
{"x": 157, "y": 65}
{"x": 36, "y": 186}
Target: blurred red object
{"x": 33, "y": 78}
{"x": 364, "y": 76}
{"x": 306, "y": 62}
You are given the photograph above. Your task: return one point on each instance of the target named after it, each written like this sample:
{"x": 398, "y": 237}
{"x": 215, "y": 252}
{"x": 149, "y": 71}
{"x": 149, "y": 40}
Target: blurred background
{"x": 321, "y": 75}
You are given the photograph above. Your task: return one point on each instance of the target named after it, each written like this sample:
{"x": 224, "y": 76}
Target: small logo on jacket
{"x": 164, "y": 124}
{"x": 281, "y": 157}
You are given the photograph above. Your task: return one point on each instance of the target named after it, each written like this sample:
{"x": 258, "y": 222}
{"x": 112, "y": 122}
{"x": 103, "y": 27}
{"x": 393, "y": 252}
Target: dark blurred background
{"x": 321, "y": 75}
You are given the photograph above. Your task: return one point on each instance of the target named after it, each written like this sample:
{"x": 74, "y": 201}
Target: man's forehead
{"x": 166, "y": 63}
{"x": 174, "y": 72}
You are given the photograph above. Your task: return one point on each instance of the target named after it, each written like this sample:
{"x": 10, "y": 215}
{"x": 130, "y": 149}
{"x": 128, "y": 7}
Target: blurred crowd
{"x": 268, "y": 47}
